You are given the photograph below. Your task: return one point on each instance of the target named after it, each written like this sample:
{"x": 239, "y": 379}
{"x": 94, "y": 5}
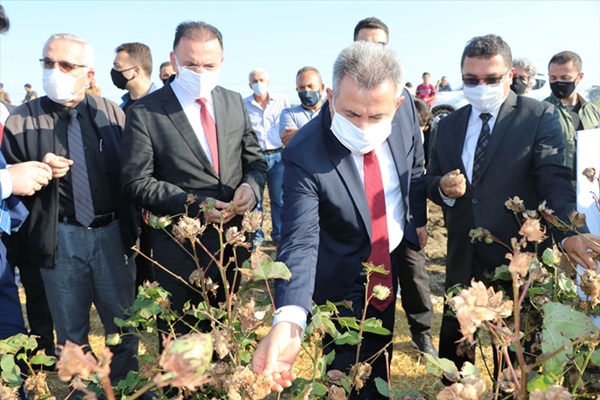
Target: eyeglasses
{"x": 490, "y": 80}
{"x": 64, "y": 66}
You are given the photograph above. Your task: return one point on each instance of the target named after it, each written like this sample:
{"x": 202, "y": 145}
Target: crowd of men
{"x": 344, "y": 170}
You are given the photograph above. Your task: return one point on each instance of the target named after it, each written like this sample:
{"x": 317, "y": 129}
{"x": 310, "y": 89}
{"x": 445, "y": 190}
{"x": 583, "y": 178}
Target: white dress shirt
{"x": 192, "y": 112}
{"x": 468, "y": 153}
{"x": 266, "y": 122}
{"x": 395, "y": 210}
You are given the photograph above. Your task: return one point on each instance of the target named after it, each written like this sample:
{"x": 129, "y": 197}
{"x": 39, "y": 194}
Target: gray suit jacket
{"x": 524, "y": 158}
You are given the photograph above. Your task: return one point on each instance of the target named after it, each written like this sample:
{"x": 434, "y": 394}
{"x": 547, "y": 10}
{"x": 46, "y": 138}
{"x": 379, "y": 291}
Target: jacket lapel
{"x": 342, "y": 160}
{"x": 221, "y": 122}
{"x": 400, "y": 149}
{"x": 180, "y": 121}
{"x": 461, "y": 127}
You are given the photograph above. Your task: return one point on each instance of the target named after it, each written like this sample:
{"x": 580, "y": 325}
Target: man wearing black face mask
{"x": 524, "y": 77}
{"x": 131, "y": 71}
{"x": 564, "y": 72}
{"x": 310, "y": 87}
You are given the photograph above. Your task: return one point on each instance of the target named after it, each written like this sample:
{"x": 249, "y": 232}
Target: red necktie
{"x": 380, "y": 245}
{"x": 210, "y": 131}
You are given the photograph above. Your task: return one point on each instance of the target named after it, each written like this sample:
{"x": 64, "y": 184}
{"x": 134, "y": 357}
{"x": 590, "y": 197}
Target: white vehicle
{"x": 448, "y": 102}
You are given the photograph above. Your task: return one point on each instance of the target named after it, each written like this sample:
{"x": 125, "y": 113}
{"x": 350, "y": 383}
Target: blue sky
{"x": 283, "y": 36}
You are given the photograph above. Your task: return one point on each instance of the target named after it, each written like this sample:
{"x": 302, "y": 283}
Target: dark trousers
{"x": 345, "y": 355}
{"x": 38, "y": 310}
{"x": 143, "y": 267}
{"x": 414, "y": 289}
{"x": 11, "y": 317}
{"x": 169, "y": 254}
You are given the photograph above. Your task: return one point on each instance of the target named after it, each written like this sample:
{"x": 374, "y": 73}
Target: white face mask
{"x": 195, "y": 85}
{"x": 260, "y": 88}
{"x": 60, "y": 86}
{"x": 485, "y": 98}
{"x": 357, "y": 140}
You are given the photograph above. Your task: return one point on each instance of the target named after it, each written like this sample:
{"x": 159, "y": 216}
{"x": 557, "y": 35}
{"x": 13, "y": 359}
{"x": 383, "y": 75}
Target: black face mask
{"x": 309, "y": 98}
{"x": 119, "y": 79}
{"x": 562, "y": 90}
{"x": 518, "y": 86}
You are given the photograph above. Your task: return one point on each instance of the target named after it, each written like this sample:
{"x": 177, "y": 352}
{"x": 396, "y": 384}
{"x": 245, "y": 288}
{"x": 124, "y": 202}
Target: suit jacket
{"x": 326, "y": 225}
{"x": 29, "y": 135}
{"x": 524, "y": 158}
{"x": 164, "y": 161}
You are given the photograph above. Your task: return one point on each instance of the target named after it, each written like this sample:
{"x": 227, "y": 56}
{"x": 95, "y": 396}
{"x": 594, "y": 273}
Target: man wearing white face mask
{"x": 500, "y": 146}
{"x": 192, "y": 137}
{"x": 348, "y": 176}
{"x": 80, "y": 228}
{"x": 264, "y": 109}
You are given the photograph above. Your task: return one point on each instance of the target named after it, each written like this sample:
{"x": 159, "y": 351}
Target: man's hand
{"x": 287, "y": 134}
{"x": 577, "y": 247}
{"x": 221, "y": 209}
{"x": 60, "y": 165}
{"x": 276, "y": 354}
{"x": 243, "y": 199}
{"x": 453, "y": 184}
{"x": 422, "y": 235}
{"x": 29, "y": 177}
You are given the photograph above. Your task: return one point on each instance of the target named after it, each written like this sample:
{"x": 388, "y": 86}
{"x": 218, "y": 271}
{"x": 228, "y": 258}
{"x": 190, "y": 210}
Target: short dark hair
{"x": 139, "y": 54}
{"x": 370, "y": 23}
{"x": 28, "y": 86}
{"x": 423, "y": 112}
{"x": 4, "y": 21}
{"x": 196, "y": 30}
{"x": 486, "y": 47}
{"x": 164, "y": 64}
{"x": 425, "y": 73}
{"x": 308, "y": 68}
{"x": 564, "y": 57}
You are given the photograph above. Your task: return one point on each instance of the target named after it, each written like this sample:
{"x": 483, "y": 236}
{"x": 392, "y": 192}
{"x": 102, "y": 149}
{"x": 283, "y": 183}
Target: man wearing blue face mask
{"x": 347, "y": 199}
{"x": 264, "y": 109}
{"x": 310, "y": 88}
{"x": 193, "y": 137}
{"x": 500, "y": 146}
{"x": 576, "y": 114}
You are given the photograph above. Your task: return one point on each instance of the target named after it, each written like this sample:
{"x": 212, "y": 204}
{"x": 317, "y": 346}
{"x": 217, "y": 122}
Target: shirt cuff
{"x": 294, "y": 314}
{"x": 449, "y": 202}
{"x": 6, "y": 182}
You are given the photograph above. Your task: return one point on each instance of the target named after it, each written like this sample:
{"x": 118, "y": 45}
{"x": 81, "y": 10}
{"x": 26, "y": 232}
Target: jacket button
{"x": 474, "y": 201}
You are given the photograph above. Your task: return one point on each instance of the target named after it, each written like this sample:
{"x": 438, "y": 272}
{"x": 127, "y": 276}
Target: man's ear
{"x": 173, "y": 63}
{"x": 400, "y": 101}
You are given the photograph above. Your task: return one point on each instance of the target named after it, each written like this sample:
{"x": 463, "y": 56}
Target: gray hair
{"x": 527, "y": 65}
{"x": 369, "y": 65}
{"x": 257, "y": 71}
{"x": 88, "y": 51}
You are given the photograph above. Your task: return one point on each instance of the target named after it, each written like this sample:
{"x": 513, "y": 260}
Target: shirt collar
{"x": 63, "y": 111}
{"x": 183, "y": 98}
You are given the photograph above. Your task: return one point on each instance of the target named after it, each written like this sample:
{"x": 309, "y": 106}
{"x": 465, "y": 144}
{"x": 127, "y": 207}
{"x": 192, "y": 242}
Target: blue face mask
{"x": 309, "y": 98}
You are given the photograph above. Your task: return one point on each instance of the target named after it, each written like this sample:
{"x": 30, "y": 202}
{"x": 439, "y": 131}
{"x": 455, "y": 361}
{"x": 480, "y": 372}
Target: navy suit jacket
{"x": 523, "y": 158}
{"x": 326, "y": 224}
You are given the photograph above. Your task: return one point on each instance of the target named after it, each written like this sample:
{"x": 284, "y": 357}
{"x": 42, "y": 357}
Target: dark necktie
{"x": 482, "y": 142}
{"x": 210, "y": 131}
{"x": 82, "y": 195}
{"x": 380, "y": 245}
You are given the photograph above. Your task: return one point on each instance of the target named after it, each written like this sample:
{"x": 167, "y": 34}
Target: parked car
{"x": 448, "y": 102}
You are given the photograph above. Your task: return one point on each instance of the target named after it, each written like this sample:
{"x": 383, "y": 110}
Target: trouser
{"x": 92, "y": 268}
{"x": 414, "y": 289}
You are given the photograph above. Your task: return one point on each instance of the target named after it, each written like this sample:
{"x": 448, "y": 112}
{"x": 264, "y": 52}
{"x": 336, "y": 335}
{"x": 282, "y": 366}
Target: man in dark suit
{"x": 75, "y": 223}
{"x": 331, "y": 219}
{"x": 192, "y": 137}
{"x": 413, "y": 278}
{"x": 498, "y": 147}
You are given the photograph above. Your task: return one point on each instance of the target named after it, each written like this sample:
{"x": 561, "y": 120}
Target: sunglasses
{"x": 490, "y": 80}
{"x": 64, "y": 66}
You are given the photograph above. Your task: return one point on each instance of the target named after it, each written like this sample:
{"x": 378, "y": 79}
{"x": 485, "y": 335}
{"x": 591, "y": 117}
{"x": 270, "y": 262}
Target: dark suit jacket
{"x": 29, "y": 135}
{"x": 164, "y": 161}
{"x": 326, "y": 225}
{"x": 524, "y": 158}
